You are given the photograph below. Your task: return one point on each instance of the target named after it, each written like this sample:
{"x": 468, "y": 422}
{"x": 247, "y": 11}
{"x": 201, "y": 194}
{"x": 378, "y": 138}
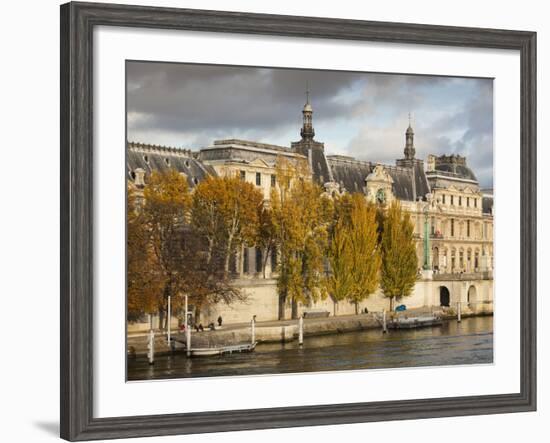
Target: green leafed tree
{"x": 399, "y": 259}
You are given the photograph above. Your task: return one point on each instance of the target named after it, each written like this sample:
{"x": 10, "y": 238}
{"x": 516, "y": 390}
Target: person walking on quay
{"x": 220, "y": 320}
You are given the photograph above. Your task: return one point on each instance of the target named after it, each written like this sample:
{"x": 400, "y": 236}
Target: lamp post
{"x": 169, "y": 318}
{"x": 426, "y": 265}
{"x": 187, "y": 327}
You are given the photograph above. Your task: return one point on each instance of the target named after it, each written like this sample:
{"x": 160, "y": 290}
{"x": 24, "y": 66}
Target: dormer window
{"x": 167, "y": 161}
{"x": 146, "y": 158}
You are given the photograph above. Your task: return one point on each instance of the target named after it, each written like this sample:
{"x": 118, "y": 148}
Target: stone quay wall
{"x": 474, "y": 293}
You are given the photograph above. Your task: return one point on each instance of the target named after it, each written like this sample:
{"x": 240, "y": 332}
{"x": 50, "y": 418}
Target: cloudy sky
{"x": 364, "y": 115}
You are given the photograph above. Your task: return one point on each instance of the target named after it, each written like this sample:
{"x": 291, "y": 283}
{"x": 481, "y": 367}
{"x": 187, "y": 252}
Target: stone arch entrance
{"x": 444, "y": 296}
{"x": 435, "y": 258}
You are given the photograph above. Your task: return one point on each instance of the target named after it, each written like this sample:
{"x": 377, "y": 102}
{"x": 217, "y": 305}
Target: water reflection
{"x": 469, "y": 342}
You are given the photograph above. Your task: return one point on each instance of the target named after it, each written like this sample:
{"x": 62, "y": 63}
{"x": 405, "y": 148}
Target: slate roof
{"x": 487, "y": 204}
{"x": 320, "y": 167}
{"x": 151, "y": 157}
{"x": 459, "y": 170}
{"x": 422, "y": 185}
{"x": 351, "y": 175}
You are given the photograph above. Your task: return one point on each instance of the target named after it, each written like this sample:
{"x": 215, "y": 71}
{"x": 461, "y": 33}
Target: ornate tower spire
{"x": 409, "y": 141}
{"x": 307, "y": 132}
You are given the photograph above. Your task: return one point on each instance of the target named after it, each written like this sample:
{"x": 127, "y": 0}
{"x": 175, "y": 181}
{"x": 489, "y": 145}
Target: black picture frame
{"x": 77, "y": 23}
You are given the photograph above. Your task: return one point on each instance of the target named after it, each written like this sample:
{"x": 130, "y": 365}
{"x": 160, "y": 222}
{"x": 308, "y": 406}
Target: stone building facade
{"x": 452, "y": 215}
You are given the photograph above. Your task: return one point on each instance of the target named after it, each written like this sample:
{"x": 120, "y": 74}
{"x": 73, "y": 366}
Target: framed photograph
{"x": 273, "y": 221}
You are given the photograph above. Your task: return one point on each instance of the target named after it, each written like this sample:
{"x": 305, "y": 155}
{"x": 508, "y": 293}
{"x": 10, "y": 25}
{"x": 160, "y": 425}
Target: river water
{"x": 453, "y": 343}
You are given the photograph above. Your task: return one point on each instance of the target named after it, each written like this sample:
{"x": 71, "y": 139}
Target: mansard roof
{"x": 454, "y": 166}
{"x": 153, "y": 157}
{"x": 487, "y": 204}
{"x": 409, "y": 183}
{"x": 348, "y": 172}
{"x": 319, "y": 166}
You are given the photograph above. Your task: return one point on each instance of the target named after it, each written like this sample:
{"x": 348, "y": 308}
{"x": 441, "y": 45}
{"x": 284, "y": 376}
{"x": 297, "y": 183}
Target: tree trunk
{"x": 335, "y": 304}
{"x": 282, "y": 302}
{"x": 356, "y": 308}
{"x": 294, "y": 309}
{"x": 161, "y": 318}
{"x": 228, "y": 255}
{"x": 264, "y": 261}
{"x": 391, "y": 303}
{"x": 210, "y": 251}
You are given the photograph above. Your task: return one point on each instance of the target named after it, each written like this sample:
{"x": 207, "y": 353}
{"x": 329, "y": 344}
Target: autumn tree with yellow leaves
{"x": 365, "y": 254}
{"x": 399, "y": 259}
{"x": 301, "y": 217}
{"x": 226, "y": 211}
{"x": 145, "y": 280}
{"x": 353, "y": 253}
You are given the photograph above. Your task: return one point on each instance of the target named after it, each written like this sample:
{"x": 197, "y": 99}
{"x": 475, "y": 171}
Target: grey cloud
{"x": 191, "y": 105}
{"x": 182, "y": 97}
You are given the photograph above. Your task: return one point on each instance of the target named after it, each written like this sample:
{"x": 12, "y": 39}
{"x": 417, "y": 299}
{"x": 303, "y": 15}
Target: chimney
{"x": 140, "y": 177}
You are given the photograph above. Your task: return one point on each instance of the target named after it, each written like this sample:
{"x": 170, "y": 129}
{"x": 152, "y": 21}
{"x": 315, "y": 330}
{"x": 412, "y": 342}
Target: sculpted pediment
{"x": 379, "y": 175}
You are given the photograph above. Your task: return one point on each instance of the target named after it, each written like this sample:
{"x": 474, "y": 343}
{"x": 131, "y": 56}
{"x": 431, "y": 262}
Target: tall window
{"x": 245, "y": 260}
{"x": 475, "y": 202}
{"x": 452, "y": 227}
{"x": 259, "y": 260}
{"x": 459, "y": 200}
{"x": 468, "y": 202}
{"x": 452, "y": 199}
{"x": 258, "y": 179}
{"x": 243, "y": 176}
{"x": 443, "y": 198}
{"x": 468, "y": 228}
{"x": 273, "y": 180}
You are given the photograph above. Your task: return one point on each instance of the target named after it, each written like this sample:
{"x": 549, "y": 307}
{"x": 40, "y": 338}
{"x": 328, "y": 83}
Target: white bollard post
{"x": 458, "y": 308}
{"x": 301, "y": 331}
{"x": 384, "y": 326}
{"x": 169, "y": 318}
{"x": 253, "y": 331}
{"x": 151, "y": 347}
